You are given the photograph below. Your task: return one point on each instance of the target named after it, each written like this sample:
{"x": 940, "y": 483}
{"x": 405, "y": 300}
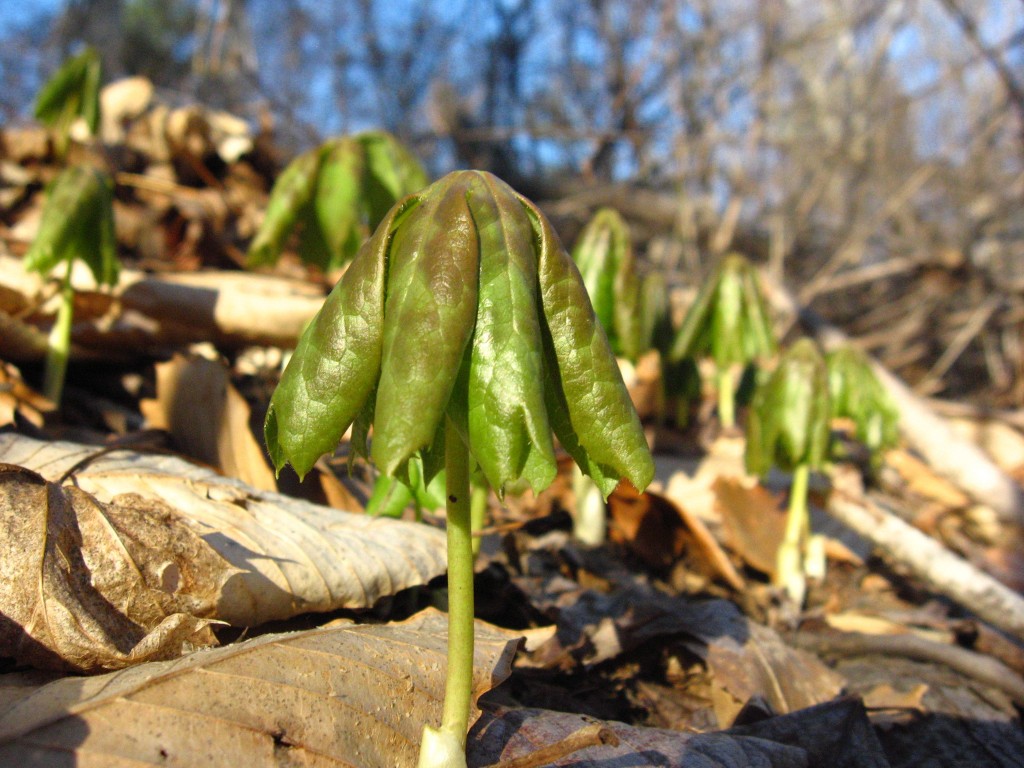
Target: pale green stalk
{"x": 789, "y": 572}
{"x": 58, "y": 347}
{"x": 446, "y": 747}
{"x": 726, "y": 398}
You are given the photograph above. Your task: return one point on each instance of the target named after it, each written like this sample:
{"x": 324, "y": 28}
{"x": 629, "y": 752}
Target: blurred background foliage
{"x": 870, "y": 152}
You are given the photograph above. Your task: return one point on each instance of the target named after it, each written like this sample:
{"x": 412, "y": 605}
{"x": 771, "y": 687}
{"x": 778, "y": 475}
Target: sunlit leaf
{"x": 728, "y": 321}
{"x": 789, "y": 418}
{"x": 72, "y": 92}
{"x": 858, "y": 395}
{"x": 77, "y": 223}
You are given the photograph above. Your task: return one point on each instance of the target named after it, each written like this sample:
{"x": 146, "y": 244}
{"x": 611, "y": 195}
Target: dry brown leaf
{"x": 837, "y": 734}
{"x": 87, "y": 587}
{"x": 349, "y": 695}
{"x": 884, "y": 696}
{"x": 208, "y": 418}
{"x": 291, "y": 556}
{"x": 921, "y": 479}
{"x": 754, "y": 518}
{"x": 19, "y": 399}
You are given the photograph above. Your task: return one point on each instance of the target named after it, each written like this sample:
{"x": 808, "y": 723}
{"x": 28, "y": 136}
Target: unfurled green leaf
{"x": 335, "y": 195}
{"x": 77, "y": 224}
{"x": 858, "y": 395}
{"x": 729, "y": 321}
{"x": 392, "y": 496}
{"x": 789, "y": 418}
{"x": 465, "y": 305}
{"x": 72, "y": 92}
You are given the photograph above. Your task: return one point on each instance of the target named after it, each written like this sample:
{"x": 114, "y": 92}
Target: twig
{"x": 588, "y": 736}
{"x": 942, "y": 570}
{"x": 984, "y": 669}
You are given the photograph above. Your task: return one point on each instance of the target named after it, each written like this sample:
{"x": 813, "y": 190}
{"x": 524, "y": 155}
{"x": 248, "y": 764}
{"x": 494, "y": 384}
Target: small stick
{"x": 984, "y": 669}
{"x": 588, "y": 736}
{"x": 927, "y": 559}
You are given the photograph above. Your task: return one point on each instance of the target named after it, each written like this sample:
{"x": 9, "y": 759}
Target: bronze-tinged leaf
{"x": 428, "y": 319}
{"x": 337, "y": 361}
{"x": 342, "y": 695}
{"x": 588, "y": 405}
{"x": 86, "y": 586}
{"x": 508, "y": 425}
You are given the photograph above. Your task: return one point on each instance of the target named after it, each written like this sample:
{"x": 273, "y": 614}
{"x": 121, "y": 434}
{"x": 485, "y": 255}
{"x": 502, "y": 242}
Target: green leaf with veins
{"x": 463, "y": 303}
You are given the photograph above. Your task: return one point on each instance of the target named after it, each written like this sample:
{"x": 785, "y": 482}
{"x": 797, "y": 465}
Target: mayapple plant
{"x": 462, "y": 333}
{"x": 335, "y": 194}
{"x": 788, "y": 428}
{"x": 77, "y": 225}
{"x": 729, "y": 323}
{"x": 857, "y": 394}
{"x": 72, "y": 93}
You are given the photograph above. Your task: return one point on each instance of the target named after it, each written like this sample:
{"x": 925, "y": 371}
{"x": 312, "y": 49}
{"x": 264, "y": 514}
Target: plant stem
{"x": 459, "y": 681}
{"x": 478, "y": 513}
{"x": 726, "y": 399}
{"x": 59, "y": 343}
{"x": 789, "y": 571}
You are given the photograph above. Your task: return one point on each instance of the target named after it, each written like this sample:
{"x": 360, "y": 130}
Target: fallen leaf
{"x": 87, "y": 587}
{"x": 289, "y": 556}
{"x": 17, "y": 399}
{"x": 836, "y": 734}
{"x": 755, "y": 520}
{"x": 884, "y": 696}
{"x": 208, "y": 419}
{"x": 348, "y": 695}
{"x": 922, "y": 480}
{"x": 745, "y": 659}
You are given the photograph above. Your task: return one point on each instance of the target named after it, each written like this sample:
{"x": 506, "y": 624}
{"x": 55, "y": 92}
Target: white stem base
{"x": 440, "y": 749}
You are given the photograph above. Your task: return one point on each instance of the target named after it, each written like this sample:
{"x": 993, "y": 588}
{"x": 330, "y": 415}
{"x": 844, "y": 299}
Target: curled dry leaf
{"x": 288, "y": 556}
{"x": 138, "y": 590}
{"x": 343, "y": 695}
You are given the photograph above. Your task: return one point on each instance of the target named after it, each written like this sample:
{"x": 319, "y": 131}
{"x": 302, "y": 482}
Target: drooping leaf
{"x": 77, "y": 223}
{"x": 72, "y": 92}
{"x": 588, "y": 405}
{"x": 290, "y": 199}
{"x": 604, "y": 255}
{"x": 508, "y": 426}
{"x": 337, "y": 203}
{"x": 391, "y": 173}
{"x": 336, "y": 363}
{"x": 857, "y": 394}
{"x": 728, "y": 321}
{"x": 789, "y": 418}
{"x": 428, "y": 320}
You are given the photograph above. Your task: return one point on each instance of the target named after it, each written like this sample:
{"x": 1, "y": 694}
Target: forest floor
{"x": 669, "y": 635}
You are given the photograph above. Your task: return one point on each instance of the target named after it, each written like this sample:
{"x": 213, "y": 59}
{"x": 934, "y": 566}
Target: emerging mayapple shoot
{"x": 335, "y": 194}
{"x": 461, "y": 332}
{"x": 859, "y": 396}
{"x": 72, "y": 93}
{"x": 77, "y": 225}
{"x": 729, "y": 323}
{"x": 788, "y": 428}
